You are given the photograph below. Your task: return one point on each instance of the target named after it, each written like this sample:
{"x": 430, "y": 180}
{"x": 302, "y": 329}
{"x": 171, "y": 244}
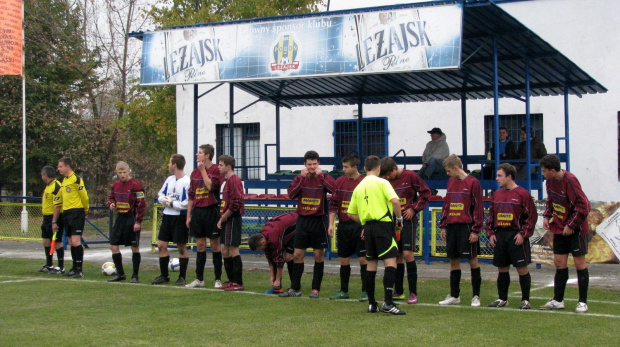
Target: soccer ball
{"x": 174, "y": 265}
{"x": 108, "y": 269}
{"x": 167, "y": 200}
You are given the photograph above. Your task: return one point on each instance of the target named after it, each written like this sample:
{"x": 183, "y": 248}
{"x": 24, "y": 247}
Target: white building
{"x": 584, "y": 31}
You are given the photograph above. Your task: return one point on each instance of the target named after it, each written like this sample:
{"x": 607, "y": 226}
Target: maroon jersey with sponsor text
{"x": 278, "y": 232}
{"x": 463, "y": 203}
{"x": 128, "y": 198}
{"x": 567, "y": 204}
{"x": 411, "y": 190}
{"x": 513, "y": 209}
{"x": 310, "y": 193}
{"x": 198, "y": 192}
{"x": 232, "y": 196}
{"x": 343, "y": 189}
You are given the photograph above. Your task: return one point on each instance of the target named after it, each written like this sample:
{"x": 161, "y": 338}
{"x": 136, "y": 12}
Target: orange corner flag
{"x": 11, "y": 41}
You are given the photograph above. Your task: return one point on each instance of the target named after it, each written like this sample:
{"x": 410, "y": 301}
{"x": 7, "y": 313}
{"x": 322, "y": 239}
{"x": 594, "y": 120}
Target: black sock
{"x": 388, "y": 284}
{"x": 370, "y": 286}
{"x": 363, "y": 276}
{"x": 561, "y": 277}
{"x": 526, "y": 283}
{"x": 228, "y": 267}
{"x": 290, "y": 266}
{"x": 399, "y": 279}
{"x": 503, "y": 283}
{"x": 217, "y": 265}
{"x": 317, "y": 275}
{"x": 476, "y": 281}
{"x": 136, "y": 259}
{"x": 583, "y": 280}
{"x": 345, "y": 274}
{"x": 79, "y": 257}
{"x": 60, "y": 254}
{"x": 238, "y": 269}
{"x": 163, "y": 265}
{"x": 412, "y": 277}
{"x": 117, "y": 258}
{"x": 201, "y": 261}
{"x": 73, "y": 257}
{"x": 183, "y": 263}
{"x": 48, "y": 256}
{"x": 455, "y": 283}
{"x": 298, "y": 271}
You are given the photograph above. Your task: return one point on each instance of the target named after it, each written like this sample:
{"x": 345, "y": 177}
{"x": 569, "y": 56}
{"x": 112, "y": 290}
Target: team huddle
{"x": 377, "y": 218}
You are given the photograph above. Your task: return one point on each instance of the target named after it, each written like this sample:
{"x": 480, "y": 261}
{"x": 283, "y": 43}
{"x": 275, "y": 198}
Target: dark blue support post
{"x": 231, "y": 121}
{"x": 464, "y": 123}
{"x": 360, "y": 119}
{"x": 495, "y": 106}
{"x": 528, "y": 125}
{"x": 196, "y": 97}
{"x": 277, "y": 138}
{"x": 426, "y": 240}
{"x": 566, "y": 129}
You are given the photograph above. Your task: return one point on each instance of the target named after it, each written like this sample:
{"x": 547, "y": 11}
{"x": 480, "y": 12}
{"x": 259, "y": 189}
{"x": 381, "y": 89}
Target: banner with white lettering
{"x": 408, "y": 39}
{"x": 11, "y": 37}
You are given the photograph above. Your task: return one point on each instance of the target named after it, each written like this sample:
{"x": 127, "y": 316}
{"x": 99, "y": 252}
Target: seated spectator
{"x": 538, "y": 150}
{"x": 507, "y": 150}
{"x": 435, "y": 152}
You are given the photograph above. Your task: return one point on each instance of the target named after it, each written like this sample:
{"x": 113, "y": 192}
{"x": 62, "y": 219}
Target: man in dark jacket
{"x": 538, "y": 150}
{"x": 507, "y": 150}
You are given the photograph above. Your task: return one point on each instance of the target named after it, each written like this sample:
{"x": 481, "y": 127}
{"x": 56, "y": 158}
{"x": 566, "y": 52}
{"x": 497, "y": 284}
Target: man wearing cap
{"x": 435, "y": 152}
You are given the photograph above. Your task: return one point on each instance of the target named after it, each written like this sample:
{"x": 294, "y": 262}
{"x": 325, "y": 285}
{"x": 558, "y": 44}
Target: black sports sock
{"x": 476, "y": 281}
{"x": 298, "y": 271}
{"x": 388, "y": 284}
{"x": 117, "y": 258}
{"x": 583, "y": 281}
{"x": 217, "y": 265}
{"x": 60, "y": 254}
{"x": 48, "y": 256}
{"x": 136, "y": 259}
{"x": 455, "y": 283}
{"x": 561, "y": 277}
{"x": 238, "y": 269}
{"x": 228, "y": 267}
{"x": 412, "y": 277}
{"x": 503, "y": 283}
{"x": 79, "y": 255}
{"x": 183, "y": 262}
{"x": 201, "y": 260}
{"x": 363, "y": 276}
{"x": 73, "y": 257}
{"x": 163, "y": 265}
{"x": 290, "y": 265}
{"x": 399, "y": 279}
{"x": 345, "y": 274}
{"x": 317, "y": 275}
{"x": 526, "y": 283}
{"x": 370, "y": 286}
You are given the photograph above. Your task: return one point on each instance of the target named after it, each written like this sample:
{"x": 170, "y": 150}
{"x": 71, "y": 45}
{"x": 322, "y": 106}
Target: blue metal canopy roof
{"x": 483, "y": 22}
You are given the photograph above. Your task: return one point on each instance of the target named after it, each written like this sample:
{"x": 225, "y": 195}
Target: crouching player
{"x": 276, "y": 239}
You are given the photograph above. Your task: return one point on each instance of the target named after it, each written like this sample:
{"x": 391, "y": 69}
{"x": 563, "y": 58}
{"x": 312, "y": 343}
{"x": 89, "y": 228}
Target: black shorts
{"x": 311, "y": 232}
{"x": 349, "y": 240}
{"x": 575, "y": 244}
{"x": 506, "y": 252}
{"x": 204, "y": 222}
{"x": 231, "y": 231}
{"x": 46, "y": 227}
{"x": 173, "y": 229}
{"x": 122, "y": 233}
{"x": 457, "y": 242}
{"x": 380, "y": 242}
{"x": 74, "y": 220}
{"x": 407, "y": 235}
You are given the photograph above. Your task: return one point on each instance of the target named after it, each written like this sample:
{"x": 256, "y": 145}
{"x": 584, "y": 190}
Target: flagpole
{"x": 24, "y": 226}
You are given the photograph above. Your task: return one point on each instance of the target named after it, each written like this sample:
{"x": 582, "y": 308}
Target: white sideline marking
{"x": 18, "y": 281}
{"x": 551, "y": 284}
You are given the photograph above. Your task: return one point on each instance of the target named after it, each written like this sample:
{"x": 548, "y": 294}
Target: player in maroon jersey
{"x": 348, "y": 238}
{"x": 512, "y": 217}
{"x": 127, "y": 198}
{"x": 230, "y": 223}
{"x": 203, "y": 212}
{"x": 566, "y": 216}
{"x": 276, "y": 239}
{"x": 462, "y": 218}
{"x": 413, "y": 194}
{"x": 310, "y": 189}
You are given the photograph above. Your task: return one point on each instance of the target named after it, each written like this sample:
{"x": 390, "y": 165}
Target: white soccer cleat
{"x": 475, "y": 301}
{"x": 553, "y": 305}
{"x": 450, "y": 301}
{"x": 218, "y": 284}
{"x": 196, "y": 284}
{"x": 582, "y": 307}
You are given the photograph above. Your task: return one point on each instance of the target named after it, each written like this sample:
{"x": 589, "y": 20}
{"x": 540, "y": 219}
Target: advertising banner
{"x": 11, "y": 40}
{"x": 408, "y": 39}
